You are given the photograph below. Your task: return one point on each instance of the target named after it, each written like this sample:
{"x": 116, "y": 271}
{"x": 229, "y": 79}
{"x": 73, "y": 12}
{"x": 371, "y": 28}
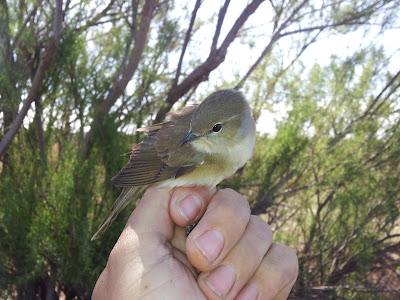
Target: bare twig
{"x": 275, "y": 37}
{"x": 267, "y": 50}
{"x": 186, "y": 41}
{"x": 221, "y": 17}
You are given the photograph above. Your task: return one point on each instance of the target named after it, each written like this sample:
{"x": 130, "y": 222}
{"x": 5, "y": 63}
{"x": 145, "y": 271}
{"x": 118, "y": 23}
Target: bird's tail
{"x": 127, "y": 195}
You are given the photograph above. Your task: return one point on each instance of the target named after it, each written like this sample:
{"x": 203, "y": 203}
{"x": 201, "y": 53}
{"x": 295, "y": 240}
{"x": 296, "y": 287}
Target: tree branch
{"x": 201, "y": 72}
{"x": 38, "y": 79}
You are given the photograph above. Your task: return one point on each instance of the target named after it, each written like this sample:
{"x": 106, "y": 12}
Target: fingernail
{"x": 250, "y": 292}
{"x": 210, "y": 244}
{"x": 190, "y": 206}
{"x": 221, "y": 280}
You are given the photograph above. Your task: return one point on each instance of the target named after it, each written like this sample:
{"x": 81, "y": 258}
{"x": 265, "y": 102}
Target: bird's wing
{"x": 127, "y": 195}
{"x": 160, "y": 156}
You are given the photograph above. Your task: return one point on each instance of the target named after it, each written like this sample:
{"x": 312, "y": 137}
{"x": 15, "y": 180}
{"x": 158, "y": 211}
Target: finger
{"x": 189, "y": 204}
{"x": 226, "y": 280}
{"x": 218, "y": 230}
{"x": 274, "y": 277}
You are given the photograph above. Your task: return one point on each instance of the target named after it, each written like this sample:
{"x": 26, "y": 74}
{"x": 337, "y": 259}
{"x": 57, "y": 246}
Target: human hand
{"x": 228, "y": 255}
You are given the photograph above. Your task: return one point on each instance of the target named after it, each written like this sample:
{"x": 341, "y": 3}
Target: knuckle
{"x": 235, "y": 202}
{"x": 261, "y": 229}
{"x": 259, "y": 237}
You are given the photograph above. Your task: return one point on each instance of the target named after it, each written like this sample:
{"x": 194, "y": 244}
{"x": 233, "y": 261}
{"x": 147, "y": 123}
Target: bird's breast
{"x": 216, "y": 166}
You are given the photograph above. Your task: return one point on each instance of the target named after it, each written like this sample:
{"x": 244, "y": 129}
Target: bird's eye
{"x": 217, "y": 127}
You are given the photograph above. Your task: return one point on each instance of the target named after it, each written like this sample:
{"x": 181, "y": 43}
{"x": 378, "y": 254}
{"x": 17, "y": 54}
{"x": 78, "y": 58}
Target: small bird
{"x": 200, "y": 145}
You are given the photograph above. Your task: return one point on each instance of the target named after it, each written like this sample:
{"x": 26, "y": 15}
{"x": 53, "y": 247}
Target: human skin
{"x": 228, "y": 255}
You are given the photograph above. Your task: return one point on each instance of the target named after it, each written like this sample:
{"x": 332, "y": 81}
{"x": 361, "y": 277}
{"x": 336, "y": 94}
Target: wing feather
{"x": 160, "y": 156}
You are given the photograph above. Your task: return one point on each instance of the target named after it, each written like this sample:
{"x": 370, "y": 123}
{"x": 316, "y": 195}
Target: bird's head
{"x": 222, "y": 120}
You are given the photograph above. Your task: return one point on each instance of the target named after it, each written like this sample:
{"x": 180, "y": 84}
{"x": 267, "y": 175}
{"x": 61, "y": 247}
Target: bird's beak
{"x": 188, "y": 137}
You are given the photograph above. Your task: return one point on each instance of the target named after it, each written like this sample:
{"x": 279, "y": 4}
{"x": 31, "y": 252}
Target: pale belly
{"x": 210, "y": 173}
{"x": 216, "y": 167}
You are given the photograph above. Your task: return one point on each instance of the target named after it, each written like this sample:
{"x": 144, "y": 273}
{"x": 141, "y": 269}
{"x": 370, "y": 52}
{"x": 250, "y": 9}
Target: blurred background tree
{"x": 77, "y": 77}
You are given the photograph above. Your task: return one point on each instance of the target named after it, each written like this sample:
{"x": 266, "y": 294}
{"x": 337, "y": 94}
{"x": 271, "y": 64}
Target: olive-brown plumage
{"x": 199, "y": 145}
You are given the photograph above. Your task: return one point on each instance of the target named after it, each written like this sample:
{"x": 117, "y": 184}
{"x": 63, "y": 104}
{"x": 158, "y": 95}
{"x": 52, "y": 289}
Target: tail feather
{"x": 126, "y": 196}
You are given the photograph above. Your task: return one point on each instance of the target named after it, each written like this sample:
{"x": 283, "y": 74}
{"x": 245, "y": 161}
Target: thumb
{"x": 139, "y": 247}
{"x": 151, "y": 215}
{"x": 160, "y": 210}
{"x": 141, "y": 258}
